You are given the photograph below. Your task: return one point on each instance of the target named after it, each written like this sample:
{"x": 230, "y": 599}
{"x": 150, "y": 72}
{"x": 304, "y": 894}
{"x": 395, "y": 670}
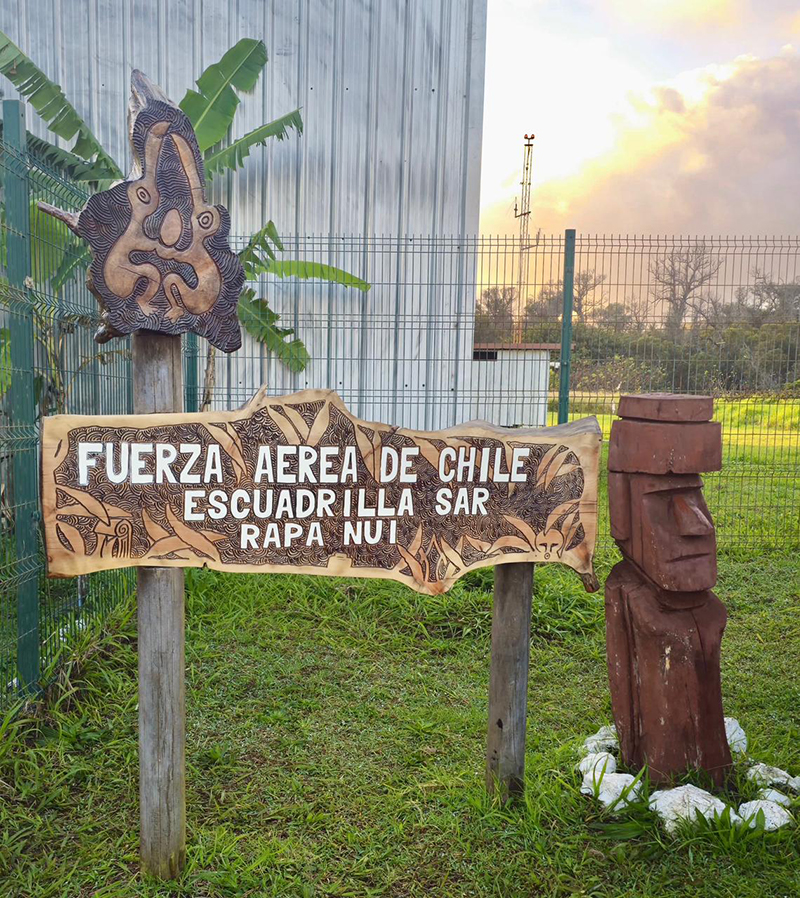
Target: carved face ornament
{"x": 550, "y": 543}
{"x": 662, "y": 523}
{"x": 161, "y": 259}
{"x": 179, "y": 234}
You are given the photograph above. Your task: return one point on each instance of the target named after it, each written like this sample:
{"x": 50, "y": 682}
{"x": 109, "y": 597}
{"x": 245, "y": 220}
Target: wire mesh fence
{"x": 451, "y": 329}
{"x": 49, "y": 364}
{"x": 709, "y": 315}
{"x": 406, "y": 349}
{"x": 455, "y": 329}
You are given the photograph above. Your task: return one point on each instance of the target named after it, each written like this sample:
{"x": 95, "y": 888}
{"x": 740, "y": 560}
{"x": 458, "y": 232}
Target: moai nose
{"x": 171, "y": 228}
{"x": 690, "y": 517}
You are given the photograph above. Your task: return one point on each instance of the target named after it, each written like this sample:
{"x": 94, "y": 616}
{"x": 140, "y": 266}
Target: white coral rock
{"x": 765, "y": 775}
{"x": 684, "y": 803}
{"x": 598, "y": 760}
{"x": 605, "y": 739}
{"x": 774, "y": 795}
{"x": 737, "y": 740}
{"x": 617, "y": 789}
{"x": 774, "y": 815}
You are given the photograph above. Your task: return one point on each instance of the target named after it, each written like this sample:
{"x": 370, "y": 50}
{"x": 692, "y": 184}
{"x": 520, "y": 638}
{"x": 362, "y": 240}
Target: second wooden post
{"x": 508, "y": 679}
{"x": 157, "y": 388}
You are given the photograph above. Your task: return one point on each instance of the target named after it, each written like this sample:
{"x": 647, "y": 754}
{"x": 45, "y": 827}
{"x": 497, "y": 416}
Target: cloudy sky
{"x": 651, "y": 116}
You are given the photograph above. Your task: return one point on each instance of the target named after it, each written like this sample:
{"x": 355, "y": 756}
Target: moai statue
{"x": 663, "y": 624}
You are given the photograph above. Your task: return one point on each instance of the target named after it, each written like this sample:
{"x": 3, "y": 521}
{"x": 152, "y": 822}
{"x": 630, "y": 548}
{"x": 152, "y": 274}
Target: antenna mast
{"x": 523, "y": 213}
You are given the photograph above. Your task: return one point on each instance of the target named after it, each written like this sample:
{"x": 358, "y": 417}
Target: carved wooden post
{"x": 157, "y": 387}
{"x": 161, "y": 266}
{"x": 508, "y": 679}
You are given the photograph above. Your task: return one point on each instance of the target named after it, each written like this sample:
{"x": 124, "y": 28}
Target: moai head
{"x": 659, "y": 517}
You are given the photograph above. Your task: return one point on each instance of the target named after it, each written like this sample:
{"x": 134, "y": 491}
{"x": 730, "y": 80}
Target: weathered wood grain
{"x": 160, "y": 598}
{"x": 664, "y": 626}
{"x": 157, "y": 373}
{"x": 162, "y": 716}
{"x": 508, "y": 679}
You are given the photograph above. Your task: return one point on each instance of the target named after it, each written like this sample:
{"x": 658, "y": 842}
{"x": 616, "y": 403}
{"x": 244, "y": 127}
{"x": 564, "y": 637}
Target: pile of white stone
{"x": 615, "y": 791}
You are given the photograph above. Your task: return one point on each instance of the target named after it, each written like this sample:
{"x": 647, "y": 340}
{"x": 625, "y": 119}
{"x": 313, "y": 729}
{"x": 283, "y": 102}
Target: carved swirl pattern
{"x": 161, "y": 260}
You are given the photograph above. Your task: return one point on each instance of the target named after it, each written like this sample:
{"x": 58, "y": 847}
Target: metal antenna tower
{"x": 523, "y": 213}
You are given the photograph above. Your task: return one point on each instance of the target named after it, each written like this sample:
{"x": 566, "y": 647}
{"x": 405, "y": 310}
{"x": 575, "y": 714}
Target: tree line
{"x": 677, "y": 332}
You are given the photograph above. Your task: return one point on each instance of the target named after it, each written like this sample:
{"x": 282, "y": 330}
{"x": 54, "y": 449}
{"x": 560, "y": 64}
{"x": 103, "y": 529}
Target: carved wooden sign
{"x": 297, "y": 484}
{"x": 160, "y": 255}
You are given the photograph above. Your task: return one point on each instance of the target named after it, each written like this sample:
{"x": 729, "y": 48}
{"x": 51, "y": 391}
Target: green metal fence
{"x": 452, "y": 329}
{"x": 49, "y": 364}
{"x": 708, "y": 315}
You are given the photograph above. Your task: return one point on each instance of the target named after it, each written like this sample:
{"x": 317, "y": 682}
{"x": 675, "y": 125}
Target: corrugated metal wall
{"x": 392, "y": 100}
{"x": 391, "y": 92}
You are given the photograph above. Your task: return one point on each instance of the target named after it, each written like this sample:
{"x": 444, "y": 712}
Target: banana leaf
{"x": 53, "y": 108}
{"x": 258, "y": 245}
{"x": 316, "y": 270}
{"x": 212, "y": 107}
{"x": 259, "y": 320}
{"x": 233, "y": 156}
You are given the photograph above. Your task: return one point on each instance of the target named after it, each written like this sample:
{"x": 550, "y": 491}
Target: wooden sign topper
{"x": 160, "y": 254}
{"x": 296, "y": 483}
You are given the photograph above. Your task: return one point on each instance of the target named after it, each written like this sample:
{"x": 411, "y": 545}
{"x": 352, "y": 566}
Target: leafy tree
{"x": 547, "y": 306}
{"x": 211, "y": 109}
{"x": 765, "y": 301}
{"x": 494, "y": 315}
{"x": 680, "y": 280}
{"x": 542, "y": 321}
{"x": 614, "y": 316}
{"x": 775, "y": 300}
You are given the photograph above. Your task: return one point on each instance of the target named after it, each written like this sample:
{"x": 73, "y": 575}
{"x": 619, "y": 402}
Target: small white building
{"x": 509, "y": 382}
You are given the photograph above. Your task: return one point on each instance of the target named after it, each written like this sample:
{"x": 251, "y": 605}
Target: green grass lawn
{"x": 336, "y": 735}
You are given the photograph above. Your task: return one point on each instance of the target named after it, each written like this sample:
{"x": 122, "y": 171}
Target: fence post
{"x": 21, "y": 397}
{"x": 190, "y": 358}
{"x": 566, "y": 326}
{"x": 508, "y": 679}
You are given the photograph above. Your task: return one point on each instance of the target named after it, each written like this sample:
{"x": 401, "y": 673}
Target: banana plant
{"x": 56, "y": 111}
{"x": 211, "y": 109}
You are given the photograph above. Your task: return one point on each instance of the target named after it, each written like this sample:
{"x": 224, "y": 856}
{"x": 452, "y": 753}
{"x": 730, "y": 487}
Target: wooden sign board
{"x": 298, "y": 484}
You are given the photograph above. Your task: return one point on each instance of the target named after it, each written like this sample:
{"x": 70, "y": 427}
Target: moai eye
{"x": 205, "y": 219}
{"x": 143, "y": 194}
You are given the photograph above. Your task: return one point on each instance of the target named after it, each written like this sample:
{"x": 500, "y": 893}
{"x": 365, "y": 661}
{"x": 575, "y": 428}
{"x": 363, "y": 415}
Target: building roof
{"x": 516, "y": 347}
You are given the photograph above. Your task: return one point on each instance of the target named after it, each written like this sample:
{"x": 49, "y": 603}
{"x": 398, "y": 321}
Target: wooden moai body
{"x": 664, "y": 626}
